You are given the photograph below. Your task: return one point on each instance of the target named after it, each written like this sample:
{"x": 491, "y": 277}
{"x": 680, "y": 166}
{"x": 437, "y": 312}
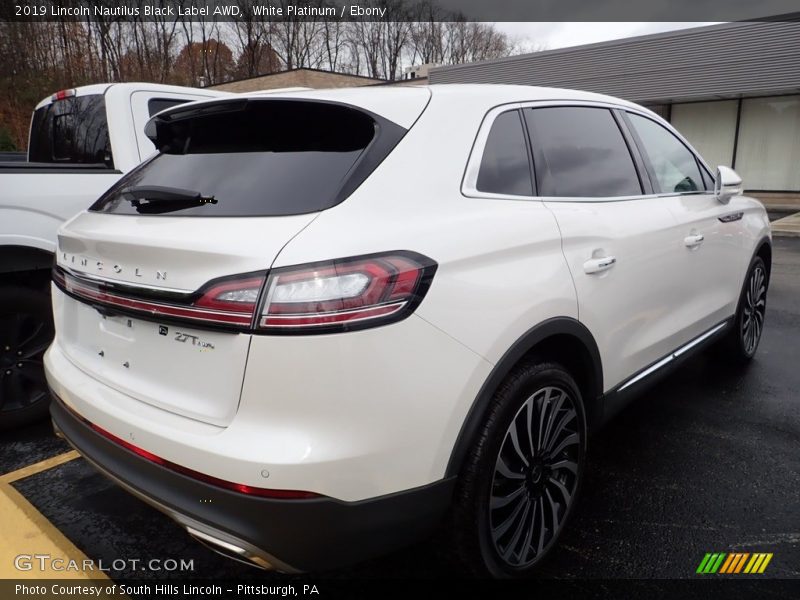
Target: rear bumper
{"x": 288, "y": 535}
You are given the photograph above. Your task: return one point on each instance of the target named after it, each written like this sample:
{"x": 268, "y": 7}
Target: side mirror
{"x": 727, "y": 184}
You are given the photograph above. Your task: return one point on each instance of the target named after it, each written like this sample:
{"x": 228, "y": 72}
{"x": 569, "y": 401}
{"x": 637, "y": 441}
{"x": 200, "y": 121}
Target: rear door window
{"x": 582, "y": 153}
{"x": 674, "y": 166}
{"x": 255, "y": 158}
{"x": 72, "y": 131}
{"x": 505, "y": 167}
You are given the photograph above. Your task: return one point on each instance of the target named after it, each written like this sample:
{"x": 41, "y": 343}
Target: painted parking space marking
{"x": 26, "y": 532}
{"x": 38, "y": 467}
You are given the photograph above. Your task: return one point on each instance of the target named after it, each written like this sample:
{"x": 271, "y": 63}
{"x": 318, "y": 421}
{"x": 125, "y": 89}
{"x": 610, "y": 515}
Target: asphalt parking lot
{"x": 709, "y": 461}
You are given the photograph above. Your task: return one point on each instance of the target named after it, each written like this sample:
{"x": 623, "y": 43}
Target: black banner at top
{"x": 400, "y": 10}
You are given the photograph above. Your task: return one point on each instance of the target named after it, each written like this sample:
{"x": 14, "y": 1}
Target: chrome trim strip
{"x": 288, "y": 316}
{"x": 649, "y": 371}
{"x": 672, "y": 356}
{"x": 120, "y": 283}
{"x": 470, "y": 180}
{"x": 696, "y": 341}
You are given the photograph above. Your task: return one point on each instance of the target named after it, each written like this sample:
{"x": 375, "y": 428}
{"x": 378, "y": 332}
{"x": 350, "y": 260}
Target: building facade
{"x": 733, "y": 90}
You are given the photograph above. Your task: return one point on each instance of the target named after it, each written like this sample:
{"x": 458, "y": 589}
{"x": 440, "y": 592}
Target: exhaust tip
{"x": 230, "y": 550}
{"x": 57, "y": 431}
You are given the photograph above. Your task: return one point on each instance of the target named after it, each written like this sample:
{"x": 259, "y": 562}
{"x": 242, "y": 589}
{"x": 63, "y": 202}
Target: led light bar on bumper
{"x": 325, "y": 297}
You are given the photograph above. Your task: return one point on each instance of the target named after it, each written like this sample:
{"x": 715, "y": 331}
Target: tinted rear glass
{"x": 73, "y": 130}
{"x": 156, "y": 105}
{"x": 583, "y": 151}
{"x": 268, "y": 158}
{"x": 505, "y": 168}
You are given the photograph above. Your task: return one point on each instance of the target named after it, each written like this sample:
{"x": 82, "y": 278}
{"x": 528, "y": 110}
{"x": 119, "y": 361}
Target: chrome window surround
{"x": 470, "y": 179}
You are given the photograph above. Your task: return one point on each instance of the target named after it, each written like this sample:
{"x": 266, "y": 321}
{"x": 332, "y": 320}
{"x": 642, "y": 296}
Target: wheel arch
{"x": 561, "y": 339}
{"x": 764, "y": 250}
{"x": 19, "y": 262}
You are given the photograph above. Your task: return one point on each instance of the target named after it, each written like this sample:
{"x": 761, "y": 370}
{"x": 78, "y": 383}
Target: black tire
{"x": 741, "y": 342}
{"x": 497, "y": 537}
{"x": 26, "y": 330}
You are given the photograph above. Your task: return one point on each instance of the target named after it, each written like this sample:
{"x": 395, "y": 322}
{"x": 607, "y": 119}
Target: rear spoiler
{"x": 165, "y": 127}
{"x": 191, "y": 111}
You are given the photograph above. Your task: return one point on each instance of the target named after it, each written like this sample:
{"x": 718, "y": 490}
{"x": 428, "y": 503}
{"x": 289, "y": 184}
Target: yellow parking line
{"x": 26, "y": 532}
{"x": 39, "y": 467}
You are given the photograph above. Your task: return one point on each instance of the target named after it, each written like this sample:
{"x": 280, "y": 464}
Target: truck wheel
{"x": 26, "y": 330}
{"x": 519, "y": 483}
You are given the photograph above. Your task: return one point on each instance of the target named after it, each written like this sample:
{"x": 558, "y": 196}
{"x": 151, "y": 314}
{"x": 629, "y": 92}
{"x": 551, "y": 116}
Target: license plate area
{"x": 193, "y": 372}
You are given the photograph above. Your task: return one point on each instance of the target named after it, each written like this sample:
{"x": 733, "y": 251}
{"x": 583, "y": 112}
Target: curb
{"x": 787, "y": 226}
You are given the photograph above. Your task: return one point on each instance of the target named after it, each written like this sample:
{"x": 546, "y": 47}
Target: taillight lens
{"x": 345, "y": 294}
{"x": 230, "y": 302}
{"x": 63, "y": 95}
{"x": 338, "y": 295}
{"x": 237, "y": 295}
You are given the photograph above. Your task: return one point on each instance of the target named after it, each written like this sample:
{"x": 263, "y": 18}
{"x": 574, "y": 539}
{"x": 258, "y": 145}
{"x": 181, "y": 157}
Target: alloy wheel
{"x": 753, "y": 310}
{"x": 536, "y": 476}
{"x": 23, "y": 341}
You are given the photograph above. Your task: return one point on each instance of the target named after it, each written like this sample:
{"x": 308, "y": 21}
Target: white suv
{"x": 318, "y": 325}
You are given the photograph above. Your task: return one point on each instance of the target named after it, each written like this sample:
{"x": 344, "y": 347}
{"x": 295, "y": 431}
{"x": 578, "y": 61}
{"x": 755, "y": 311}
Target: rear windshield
{"x": 255, "y": 158}
{"x": 72, "y": 131}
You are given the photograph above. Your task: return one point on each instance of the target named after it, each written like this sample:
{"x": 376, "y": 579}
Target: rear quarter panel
{"x": 500, "y": 266}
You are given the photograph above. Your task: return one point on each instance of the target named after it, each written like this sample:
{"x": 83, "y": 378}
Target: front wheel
{"x": 519, "y": 484}
{"x": 26, "y": 330}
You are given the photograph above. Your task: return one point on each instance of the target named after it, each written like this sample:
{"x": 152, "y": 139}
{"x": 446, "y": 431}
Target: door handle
{"x": 692, "y": 241}
{"x": 597, "y": 265}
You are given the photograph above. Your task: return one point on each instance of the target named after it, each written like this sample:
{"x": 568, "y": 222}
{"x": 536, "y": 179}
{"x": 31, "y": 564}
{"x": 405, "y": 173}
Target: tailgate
{"x": 160, "y": 280}
{"x": 191, "y": 370}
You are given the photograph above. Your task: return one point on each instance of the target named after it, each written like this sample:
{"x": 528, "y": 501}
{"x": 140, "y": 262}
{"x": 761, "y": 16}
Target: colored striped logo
{"x": 736, "y": 562}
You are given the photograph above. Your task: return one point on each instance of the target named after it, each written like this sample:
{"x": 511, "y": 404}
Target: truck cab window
{"x": 73, "y": 130}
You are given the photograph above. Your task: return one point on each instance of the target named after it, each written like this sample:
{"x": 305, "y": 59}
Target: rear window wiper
{"x": 157, "y": 199}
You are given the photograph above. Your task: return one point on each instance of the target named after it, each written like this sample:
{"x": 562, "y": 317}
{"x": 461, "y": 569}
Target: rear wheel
{"x": 26, "y": 330}
{"x": 519, "y": 484}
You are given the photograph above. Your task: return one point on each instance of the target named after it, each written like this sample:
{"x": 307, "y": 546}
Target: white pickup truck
{"x": 81, "y": 142}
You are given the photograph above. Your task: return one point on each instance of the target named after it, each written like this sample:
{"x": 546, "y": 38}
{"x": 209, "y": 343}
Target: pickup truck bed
{"x": 81, "y": 142}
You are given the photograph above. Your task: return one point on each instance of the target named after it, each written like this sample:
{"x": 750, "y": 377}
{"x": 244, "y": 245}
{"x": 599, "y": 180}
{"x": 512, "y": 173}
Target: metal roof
{"x": 720, "y": 61}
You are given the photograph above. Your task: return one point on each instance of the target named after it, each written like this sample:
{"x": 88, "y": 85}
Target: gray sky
{"x": 559, "y": 35}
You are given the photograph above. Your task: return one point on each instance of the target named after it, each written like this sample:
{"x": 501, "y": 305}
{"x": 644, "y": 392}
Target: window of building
{"x": 674, "y": 165}
{"x": 768, "y": 152}
{"x": 583, "y": 152}
{"x": 710, "y": 127}
{"x": 505, "y": 168}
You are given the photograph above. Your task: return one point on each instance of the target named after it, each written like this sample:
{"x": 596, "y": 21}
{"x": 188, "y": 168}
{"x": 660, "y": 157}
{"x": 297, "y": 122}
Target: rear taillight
{"x": 62, "y": 95}
{"x": 230, "y": 302}
{"x": 338, "y": 295}
{"x": 345, "y": 294}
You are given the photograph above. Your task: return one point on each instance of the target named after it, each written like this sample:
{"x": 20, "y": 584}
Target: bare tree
{"x": 254, "y": 35}
{"x": 45, "y": 56}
